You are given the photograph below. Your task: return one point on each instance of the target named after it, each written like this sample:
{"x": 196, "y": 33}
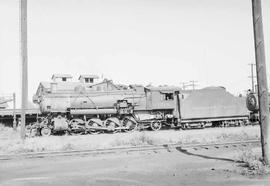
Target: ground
{"x": 171, "y": 167}
{"x": 10, "y": 141}
{"x": 174, "y": 167}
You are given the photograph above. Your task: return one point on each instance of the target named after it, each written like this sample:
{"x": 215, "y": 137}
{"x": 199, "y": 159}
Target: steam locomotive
{"x": 88, "y": 106}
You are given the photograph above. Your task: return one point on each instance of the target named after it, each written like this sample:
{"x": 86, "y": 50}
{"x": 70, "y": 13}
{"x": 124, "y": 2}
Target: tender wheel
{"x": 202, "y": 125}
{"x": 183, "y": 126}
{"x": 32, "y": 130}
{"x": 130, "y": 123}
{"x": 45, "y": 131}
{"x": 155, "y": 125}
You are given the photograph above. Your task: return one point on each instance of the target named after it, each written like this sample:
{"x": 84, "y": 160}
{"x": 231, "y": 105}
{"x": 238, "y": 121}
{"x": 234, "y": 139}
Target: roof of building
{"x": 88, "y": 76}
{"x": 45, "y": 84}
{"x": 61, "y": 76}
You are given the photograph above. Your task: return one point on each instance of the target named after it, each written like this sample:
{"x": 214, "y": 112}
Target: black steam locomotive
{"x": 88, "y": 106}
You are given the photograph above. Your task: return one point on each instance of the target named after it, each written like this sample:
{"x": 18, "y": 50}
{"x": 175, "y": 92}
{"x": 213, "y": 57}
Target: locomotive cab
{"x": 161, "y": 104}
{"x": 161, "y": 98}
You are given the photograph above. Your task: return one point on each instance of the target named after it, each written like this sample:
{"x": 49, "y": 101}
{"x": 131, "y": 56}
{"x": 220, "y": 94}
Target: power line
{"x": 191, "y": 83}
{"x": 194, "y": 84}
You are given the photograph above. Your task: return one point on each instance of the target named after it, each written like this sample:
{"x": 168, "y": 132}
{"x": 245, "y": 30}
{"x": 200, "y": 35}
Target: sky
{"x": 162, "y": 42}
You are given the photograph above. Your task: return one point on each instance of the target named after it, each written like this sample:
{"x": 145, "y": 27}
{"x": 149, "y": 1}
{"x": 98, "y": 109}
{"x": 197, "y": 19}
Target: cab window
{"x": 169, "y": 96}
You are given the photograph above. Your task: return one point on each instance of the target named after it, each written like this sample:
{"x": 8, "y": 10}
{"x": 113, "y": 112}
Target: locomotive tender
{"x": 88, "y": 106}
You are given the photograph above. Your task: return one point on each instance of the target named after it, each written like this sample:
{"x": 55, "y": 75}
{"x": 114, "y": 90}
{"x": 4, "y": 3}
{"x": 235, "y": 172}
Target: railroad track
{"x": 145, "y": 148}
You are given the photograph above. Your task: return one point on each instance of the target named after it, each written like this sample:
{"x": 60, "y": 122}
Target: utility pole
{"x": 261, "y": 79}
{"x": 23, "y": 54}
{"x": 188, "y": 84}
{"x": 14, "y": 112}
{"x": 193, "y": 84}
{"x": 183, "y": 85}
{"x": 252, "y": 77}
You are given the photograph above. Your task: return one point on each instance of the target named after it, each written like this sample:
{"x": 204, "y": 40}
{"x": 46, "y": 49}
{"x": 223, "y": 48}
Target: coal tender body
{"x": 212, "y": 106}
{"x": 88, "y": 106}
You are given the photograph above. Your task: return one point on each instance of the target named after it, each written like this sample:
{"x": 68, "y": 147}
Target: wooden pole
{"x": 261, "y": 79}
{"x": 14, "y": 112}
{"x": 252, "y": 77}
{"x": 23, "y": 52}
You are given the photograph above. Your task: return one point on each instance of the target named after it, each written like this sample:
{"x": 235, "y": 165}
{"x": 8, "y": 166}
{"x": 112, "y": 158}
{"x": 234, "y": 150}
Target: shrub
{"x": 252, "y": 164}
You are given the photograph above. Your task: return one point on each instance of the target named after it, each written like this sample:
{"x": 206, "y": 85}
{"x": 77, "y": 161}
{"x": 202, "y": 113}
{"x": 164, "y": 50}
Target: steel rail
{"x": 126, "y": 149}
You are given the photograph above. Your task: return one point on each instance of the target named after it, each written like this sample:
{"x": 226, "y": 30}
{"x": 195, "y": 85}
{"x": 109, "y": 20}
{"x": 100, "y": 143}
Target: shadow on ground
{"x": 185, "y": 151}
